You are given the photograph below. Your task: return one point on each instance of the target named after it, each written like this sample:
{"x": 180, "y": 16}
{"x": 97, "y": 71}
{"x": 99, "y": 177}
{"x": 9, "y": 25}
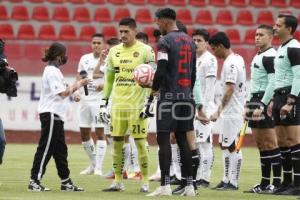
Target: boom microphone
{"x": 83, "y": 74}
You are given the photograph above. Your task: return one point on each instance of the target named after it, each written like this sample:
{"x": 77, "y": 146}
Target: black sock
{"x": 196, "y": 163}
{"x": 265, "y": 165}
{"x": 276, "y": 166}
{"x": 287, "y": 166}
{"x": 163, "y": 140}
{"x": 295, "y": 151}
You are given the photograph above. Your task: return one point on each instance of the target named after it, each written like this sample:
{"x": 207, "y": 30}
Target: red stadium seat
{"x": 40, "y": 13}
{"x": 258, "y": 3}
{"x": 81, "y": 14}
{"x": 16, "y": 1}
{"x": 61, "y": 13}
{"x": 250, "y": 36}
{"x": 137, "y": 2}
{"x": 26, "y": 31}
{"x": 212, "y": 31}
{"x": 157, "y": 2}
{"x": 234, "y": 36}
{"x": 87, "y": 32}
{"x": 278, "y": 3}
{"x": 109, "y": 31}
{"x": 143, "y": 15}
{"x": 117, "y": 2}
{"x": 3, "y": 13}
{"x": 184, "y": 15}
{"x": 265, "y": 17}
{"x": 97, "y": 1}
{"x": 56, "y": 1}
{"x": 197, "y": 2}
{"x": 102, "y": 14}
{"x": 20, "y": 13}
{"x": 177, "y": 2}
{"x": 244, "y": 17}
{"x": 6, "y": 31}
{"x": 67, "y": 32}
{"x": 220, "y": 3}
{"x": 224, "y": 17}
{"x": 120, "y": 13}
{"x": 238, "y": 3}
{"x": 77, "y": 1}
{"x": 149, "y": 31}
{"x": 36, "y": 1}
{"x": 295, "y": 3}
{"x": 47, "y": 32}
{"x": 204, "y": 17}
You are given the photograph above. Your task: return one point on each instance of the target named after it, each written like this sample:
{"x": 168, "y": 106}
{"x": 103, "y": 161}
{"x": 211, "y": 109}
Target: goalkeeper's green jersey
{"x": 119, "y": 83}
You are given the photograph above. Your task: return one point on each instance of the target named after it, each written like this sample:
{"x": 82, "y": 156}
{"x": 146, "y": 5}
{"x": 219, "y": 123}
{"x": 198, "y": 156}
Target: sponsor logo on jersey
{"x": 117, "y": 54}
{"x": 125, "y": 61}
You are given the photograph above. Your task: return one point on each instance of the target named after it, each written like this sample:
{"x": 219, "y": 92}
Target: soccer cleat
{"x": 88, "y": 171}
{"x": 68, "y": 186}
{"x": 155, "y": 177}
{"x": 145, "y": 188}
{"x": 135, "y": 176}
{"x": 203, "y": 183}
{"x": 179, "y": 190}
{"x": 219, "y": 186}
{"x": 35, "y": 186}
{"x": 98, "y": 172}
{"x": 161, "y": 191}
{"x": 292, "y": 190}
{"x": 270, "y": 189}
{"x": 174, "y": 181}
{"x": 282, "y": 188}
{"x": 115, "y": 187}
{"x": 189, "y": 191}
{"x": 229, "y": 186}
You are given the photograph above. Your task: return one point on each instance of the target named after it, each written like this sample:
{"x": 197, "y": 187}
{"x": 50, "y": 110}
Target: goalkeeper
{"x": 127, "y": 100}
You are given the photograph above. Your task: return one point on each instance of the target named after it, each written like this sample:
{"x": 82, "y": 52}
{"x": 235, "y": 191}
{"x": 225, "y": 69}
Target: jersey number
{"x": 183, "y": 64}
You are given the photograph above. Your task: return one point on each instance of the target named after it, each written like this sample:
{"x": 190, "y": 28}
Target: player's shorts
{"x": 88, "y": 116}
{"x": 230, "y": 127}
{"x": 174, "y": 116}
{"x": 125, "y": 121}
{"x": 203, "y": 132}
{"x": 266, "y": 121}
{"x": 280, "y": 98}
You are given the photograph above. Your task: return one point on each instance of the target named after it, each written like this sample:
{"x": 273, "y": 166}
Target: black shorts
{"x": 174, "y": 116}
{"x": 280, "y": 98}
{"x": 267, "y": 121}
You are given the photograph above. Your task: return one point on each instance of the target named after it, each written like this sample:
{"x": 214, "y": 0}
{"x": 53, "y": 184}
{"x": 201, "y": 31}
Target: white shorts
{"x": 203, "y": 132}
{"x": 229, "y": 129}
{"x": 88, "y": 116}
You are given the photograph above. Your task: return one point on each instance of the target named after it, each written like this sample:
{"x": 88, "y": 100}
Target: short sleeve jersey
{"x": 287, "y": 56}
{"x": 87, "y": 63}
{"x": 233, "y": 71}
{"x": 126, "y": 93}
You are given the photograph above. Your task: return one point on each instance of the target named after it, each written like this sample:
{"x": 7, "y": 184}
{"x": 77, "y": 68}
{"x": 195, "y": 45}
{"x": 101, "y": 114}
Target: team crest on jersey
{"x": 136, "y": 54}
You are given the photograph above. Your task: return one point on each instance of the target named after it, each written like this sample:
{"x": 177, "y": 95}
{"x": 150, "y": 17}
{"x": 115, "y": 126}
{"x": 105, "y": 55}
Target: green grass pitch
{"x": 14, "y": 176}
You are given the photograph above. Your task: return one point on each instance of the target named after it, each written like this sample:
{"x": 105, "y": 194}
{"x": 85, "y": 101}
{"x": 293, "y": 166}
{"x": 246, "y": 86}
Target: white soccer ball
{"x": 143, "y": 74}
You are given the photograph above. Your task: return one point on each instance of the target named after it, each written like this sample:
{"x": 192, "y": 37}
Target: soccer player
{"x": 89, "y": 106}
{"x": 52, "y": 111}
{"x": 207, "y": 66}
{"x": 286, "y": 102}
{"x": 127, "y": 100}
{"x": 142, "y": 37}
{"x": 174, "y": 80}
{"x": 231, "y": 109}
{"x": 262, "y": 126}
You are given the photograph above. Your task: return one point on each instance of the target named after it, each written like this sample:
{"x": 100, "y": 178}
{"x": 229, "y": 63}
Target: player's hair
{"x": 220, "y": 38}
{"x": 202, "y": 32}
{"x": 113, "y": 41}
{"x": 266, "y": 27}
{"x": 128, "y": 21}
{"x": 98, "y": 35}
{"x": 142, "y": 36}
{"x": 167, "y": 13}
{"x": 181, "y": 26}
{"x": 55, "y": 49}
{"x": 289, "y": 21}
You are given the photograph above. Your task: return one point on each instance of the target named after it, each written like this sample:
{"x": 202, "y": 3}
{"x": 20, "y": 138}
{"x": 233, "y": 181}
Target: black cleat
{"x": 35, "y": 186}
{"x": 174, "y": 181}
{"x": 115, "y": 187}
{"x": 220, "y": 185}
{"x": 292, "y": 190}
{"x": 178, "y": 190}
{"x": 282, "y": 188}
{"x": 68, "y": 186}
{"x": 203, "y": 183}
{"x": 228, "y": 186}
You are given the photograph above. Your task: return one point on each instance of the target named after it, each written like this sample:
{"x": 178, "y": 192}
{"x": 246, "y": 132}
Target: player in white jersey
{"x": 207, "y": 67}
{"x": 89, "y": 107}
{"x": 230, "y": 111}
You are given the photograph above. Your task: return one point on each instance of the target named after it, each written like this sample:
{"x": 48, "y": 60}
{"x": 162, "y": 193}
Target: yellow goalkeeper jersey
{"x": 119, "y": 83}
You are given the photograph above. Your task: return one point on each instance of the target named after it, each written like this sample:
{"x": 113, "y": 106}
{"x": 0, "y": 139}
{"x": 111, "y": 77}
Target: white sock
{"x": 226, "y": 165}
{"x": 126, "y": 150}
{"x": 236, "y": 163}
{"x": 176, "y": 160}
{"x": 100, "y": 153}
{"x": 199, "y": 171}
{"x": 134, "y": 164}
{"x": 207, "y": 159}
{"x": 89, "y": 149}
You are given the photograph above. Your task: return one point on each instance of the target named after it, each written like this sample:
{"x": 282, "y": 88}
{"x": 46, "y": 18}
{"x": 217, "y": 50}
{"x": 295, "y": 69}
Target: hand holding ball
{"x": 143, "y": 75}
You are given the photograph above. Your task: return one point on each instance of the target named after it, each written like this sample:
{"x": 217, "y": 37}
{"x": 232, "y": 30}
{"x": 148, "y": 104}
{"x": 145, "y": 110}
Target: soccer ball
{"x": 143, "y": 74}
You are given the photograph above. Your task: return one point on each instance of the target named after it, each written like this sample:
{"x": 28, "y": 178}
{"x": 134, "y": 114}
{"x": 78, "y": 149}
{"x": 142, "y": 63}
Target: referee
{"x": 52, "y": 110}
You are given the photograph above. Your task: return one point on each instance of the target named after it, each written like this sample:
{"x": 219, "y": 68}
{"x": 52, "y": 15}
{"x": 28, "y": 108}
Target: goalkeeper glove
{"x": 104, "y": 116}
{"x": 148, "y": 108}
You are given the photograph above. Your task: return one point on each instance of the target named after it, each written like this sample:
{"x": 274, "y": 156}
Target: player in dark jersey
{"x": 174, "y": 80}
{"x": 286, "y": 102}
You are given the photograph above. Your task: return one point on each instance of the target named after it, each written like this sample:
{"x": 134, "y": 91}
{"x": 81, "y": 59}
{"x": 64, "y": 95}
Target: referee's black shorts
{"x": 174, "y": 116}
{"x": 280, "y": 98}
{"x": 266, "y": 121}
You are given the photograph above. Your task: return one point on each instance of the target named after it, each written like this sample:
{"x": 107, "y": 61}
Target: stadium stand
{"x": 40, "y": 13}
{"x": 3, "y": 13}
{"x": 204, "y": 17}
{"x": 102, "y": 14}
{"x": 26, "y": 32}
